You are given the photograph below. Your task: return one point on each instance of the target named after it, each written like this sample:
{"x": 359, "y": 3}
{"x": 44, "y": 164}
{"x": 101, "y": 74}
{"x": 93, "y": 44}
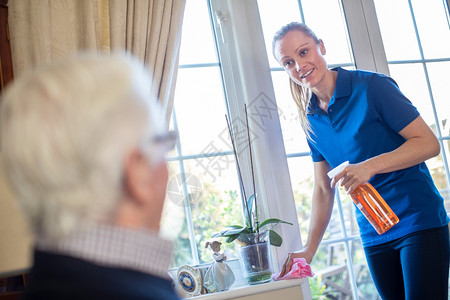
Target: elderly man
{"x": 83, "y": 146}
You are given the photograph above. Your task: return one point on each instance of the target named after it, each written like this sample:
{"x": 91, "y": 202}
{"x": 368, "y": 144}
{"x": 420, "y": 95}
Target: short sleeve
{"x": 391, "y": 104}
{"x": 315, "y": 154}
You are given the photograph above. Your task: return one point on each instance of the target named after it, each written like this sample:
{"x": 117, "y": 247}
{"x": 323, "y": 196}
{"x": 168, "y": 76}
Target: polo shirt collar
{"x": 342, "y": 89}
{"x": 343, "y": 83}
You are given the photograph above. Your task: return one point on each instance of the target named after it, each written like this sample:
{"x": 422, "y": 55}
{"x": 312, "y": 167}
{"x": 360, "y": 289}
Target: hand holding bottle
{"x": 354, "y": 175}
{"x": 368, "y": 201}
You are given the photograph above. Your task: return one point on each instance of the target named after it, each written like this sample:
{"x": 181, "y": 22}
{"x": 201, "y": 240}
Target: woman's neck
{"x": 325, "y": 90}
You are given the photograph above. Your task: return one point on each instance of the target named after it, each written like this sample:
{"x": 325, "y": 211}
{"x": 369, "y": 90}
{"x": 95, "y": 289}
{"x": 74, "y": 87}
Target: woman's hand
{"x": 352, "y": 176}
{"x": 321, "y": 209}
{"x": 304, "y": 253}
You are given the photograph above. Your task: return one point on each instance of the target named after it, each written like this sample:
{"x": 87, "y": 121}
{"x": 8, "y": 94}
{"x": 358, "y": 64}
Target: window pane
{"x": 330, "y": 266}
{"x": 301, "y": 171}
{"x": 334, "y": 230}
{"x": 334, "y": 36}
{"x": 199, "y": 118}
{"x": 197, "y": 42}
{"x": 432, "y": 26}
{"x": 302, "y": 180}
{"x": 293, "y": 135}
{"x": 441, "y": 91}
{"x": 437, "y": 170}
{"x": 397, "y": 29}
{"x": 285, "y": 13}
{"x": 200, "y": 109}
{"x": 412, "y": 82}
{"x": 329, "y": 25}
{"x": 348, "y": 210}
{"x": 219, "y": 204}
{"x": 364, "y": 281}
{"x": 173, "y": 222}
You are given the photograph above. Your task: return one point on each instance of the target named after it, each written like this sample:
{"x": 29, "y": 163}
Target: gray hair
{"x": 66, "y": 128}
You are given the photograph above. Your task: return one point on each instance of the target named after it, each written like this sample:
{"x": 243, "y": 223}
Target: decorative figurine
{"x": 219, "y": 276}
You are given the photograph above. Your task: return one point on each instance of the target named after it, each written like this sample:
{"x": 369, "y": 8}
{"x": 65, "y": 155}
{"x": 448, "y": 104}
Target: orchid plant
{"x": 239, "y": 233}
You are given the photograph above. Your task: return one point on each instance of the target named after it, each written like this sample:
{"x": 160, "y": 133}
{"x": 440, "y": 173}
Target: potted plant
{"x": 254, "y": 237}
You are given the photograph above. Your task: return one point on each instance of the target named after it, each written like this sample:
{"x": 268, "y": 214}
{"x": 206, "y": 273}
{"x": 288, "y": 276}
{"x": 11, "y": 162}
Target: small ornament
{"x": 189, "y": 280}
{"x": 219, "y": 276}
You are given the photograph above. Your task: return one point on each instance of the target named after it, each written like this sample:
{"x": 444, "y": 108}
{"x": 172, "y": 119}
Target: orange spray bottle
{"x": 370, "y": 203}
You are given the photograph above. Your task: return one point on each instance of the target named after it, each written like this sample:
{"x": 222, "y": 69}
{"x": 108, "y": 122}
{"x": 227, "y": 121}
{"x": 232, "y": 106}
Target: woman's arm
{"x": 322, "y": 206}
{"x": 420, "y": 145}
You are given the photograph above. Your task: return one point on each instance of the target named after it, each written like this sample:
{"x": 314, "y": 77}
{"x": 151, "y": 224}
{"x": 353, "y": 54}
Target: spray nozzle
{"x": 337, "y": 170}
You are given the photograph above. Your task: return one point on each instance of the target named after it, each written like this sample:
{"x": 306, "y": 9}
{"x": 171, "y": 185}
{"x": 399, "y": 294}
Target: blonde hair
{"x": 65, "y": 131}
{"x": 300, "y": 94}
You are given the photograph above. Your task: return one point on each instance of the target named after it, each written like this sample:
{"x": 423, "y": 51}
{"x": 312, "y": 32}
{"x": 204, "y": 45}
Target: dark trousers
{"x": 415, "y": 266}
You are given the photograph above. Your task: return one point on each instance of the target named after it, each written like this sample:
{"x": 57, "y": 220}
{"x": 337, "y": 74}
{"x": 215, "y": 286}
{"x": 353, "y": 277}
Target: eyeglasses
{"x": 167, "y": 141}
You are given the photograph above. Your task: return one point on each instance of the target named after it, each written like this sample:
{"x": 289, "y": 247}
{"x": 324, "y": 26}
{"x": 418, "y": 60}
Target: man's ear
{"x": 136, "y": 172}
{"x": 323, "y": 50}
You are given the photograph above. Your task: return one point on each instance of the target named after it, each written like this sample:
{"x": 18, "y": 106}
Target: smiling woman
{"x": 363, "y": 117}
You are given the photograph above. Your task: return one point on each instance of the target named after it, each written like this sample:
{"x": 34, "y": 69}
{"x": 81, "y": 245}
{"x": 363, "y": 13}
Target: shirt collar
{"x": 112, "y": 246}
{"x": 342, "y": 89}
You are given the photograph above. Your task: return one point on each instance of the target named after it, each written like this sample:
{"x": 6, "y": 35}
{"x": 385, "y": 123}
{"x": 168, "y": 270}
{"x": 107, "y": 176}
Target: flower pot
{"x": 254, "y": 257}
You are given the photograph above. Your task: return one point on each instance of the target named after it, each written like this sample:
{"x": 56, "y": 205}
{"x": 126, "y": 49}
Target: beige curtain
{"x": 48, "y": 30}
{"x": 151, "y": 30}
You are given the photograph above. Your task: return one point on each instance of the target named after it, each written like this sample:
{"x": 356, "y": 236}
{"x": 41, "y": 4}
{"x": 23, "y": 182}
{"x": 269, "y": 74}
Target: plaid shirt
{"x": 117, "y": 247}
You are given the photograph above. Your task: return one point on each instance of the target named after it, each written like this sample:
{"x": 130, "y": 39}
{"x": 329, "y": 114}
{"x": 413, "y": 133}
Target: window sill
{"x": 251, "y": 290}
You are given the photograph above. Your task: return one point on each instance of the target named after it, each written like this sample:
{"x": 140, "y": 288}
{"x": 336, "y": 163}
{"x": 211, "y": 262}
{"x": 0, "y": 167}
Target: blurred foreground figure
{"x": 83, "y": 146}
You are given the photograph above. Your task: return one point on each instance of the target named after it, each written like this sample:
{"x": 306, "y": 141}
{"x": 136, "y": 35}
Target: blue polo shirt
{"x": 363, "y": 119}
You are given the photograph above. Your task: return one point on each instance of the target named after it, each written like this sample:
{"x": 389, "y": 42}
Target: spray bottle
{"x": 370, "y": 203}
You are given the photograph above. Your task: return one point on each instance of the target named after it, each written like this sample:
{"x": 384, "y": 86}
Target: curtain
{"x": 151, "y": 30}
{"x": 49, "y": 30}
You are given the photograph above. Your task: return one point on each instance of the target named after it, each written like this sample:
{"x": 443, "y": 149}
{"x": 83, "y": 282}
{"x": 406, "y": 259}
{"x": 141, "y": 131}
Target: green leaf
{"x": 250, "y": 202}
{"x": 229, "y": 230}
{"x": 234, "y": 231}
{"x": 275, "y": 239}
{"x": 248, "y": 218}
{"x": 248, "y": 222}
{"x": 273, "y": 221}
{"x": 231, "y": 227}
{"x": 231, "y": 238}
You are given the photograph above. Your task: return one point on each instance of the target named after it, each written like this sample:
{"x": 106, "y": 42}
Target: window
{"x": 226, "y": 61}
{"x": 203, "y": 190}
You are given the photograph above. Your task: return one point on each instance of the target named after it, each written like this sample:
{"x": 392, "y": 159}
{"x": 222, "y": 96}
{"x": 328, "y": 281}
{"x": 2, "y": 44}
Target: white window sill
{"x": 250, "y": 290}
{"x": 241, "y": 288}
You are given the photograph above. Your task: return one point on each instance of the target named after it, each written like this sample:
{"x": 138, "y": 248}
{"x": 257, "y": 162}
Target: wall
{"x": 15, "y": 238}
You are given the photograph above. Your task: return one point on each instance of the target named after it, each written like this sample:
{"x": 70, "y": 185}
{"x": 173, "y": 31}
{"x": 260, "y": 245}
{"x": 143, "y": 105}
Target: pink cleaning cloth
{"x": 299, "y": 269}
